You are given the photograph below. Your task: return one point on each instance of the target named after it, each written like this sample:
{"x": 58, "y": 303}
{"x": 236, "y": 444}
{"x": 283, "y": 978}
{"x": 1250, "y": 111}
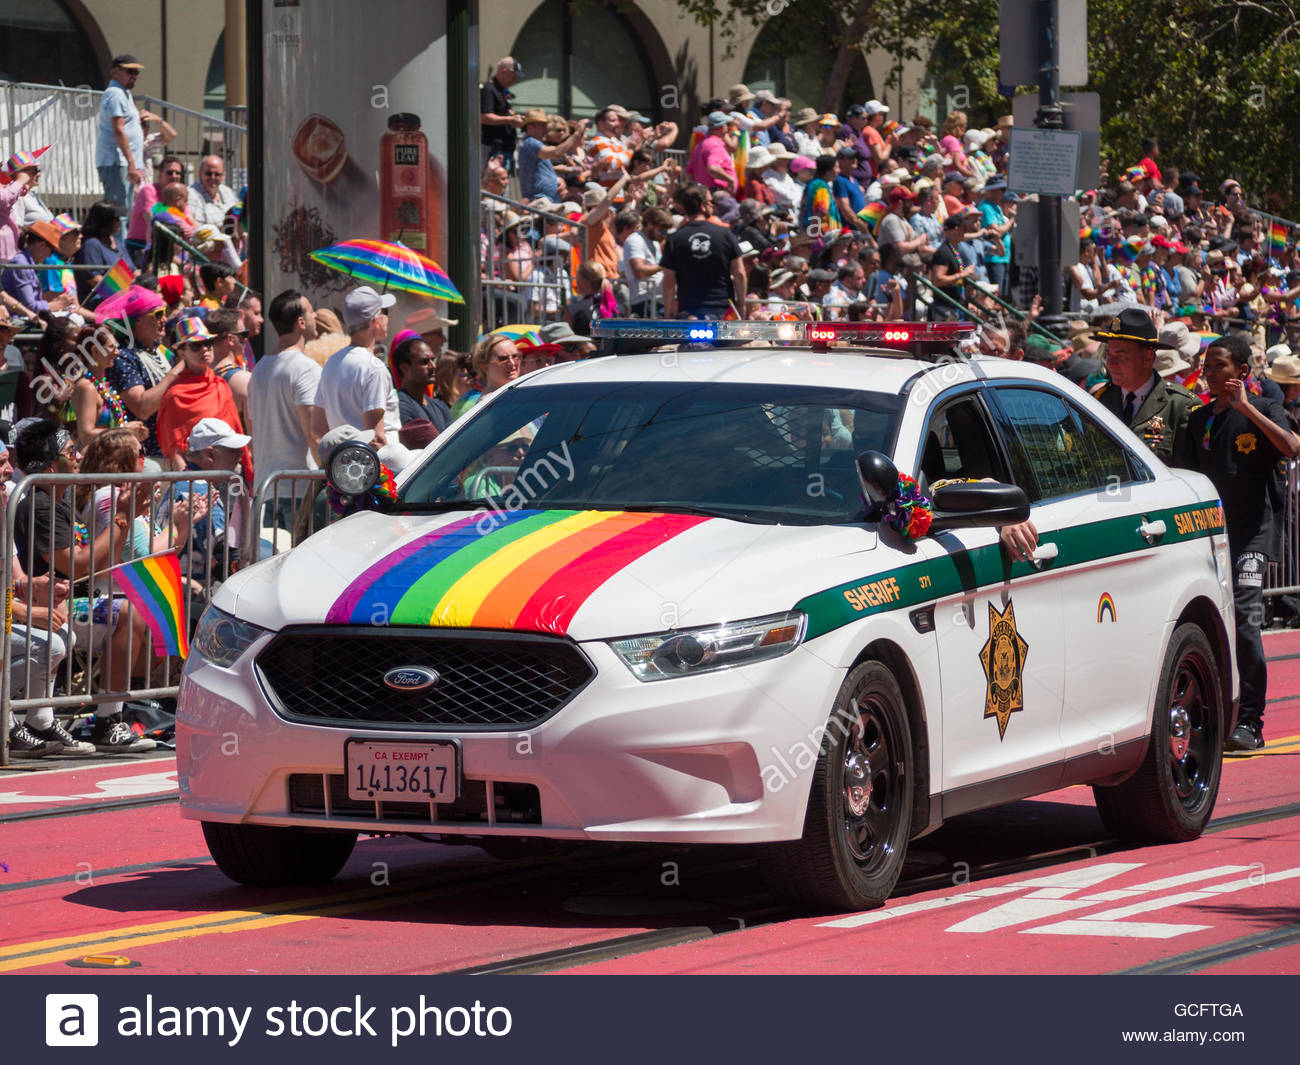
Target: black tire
{"x": 1170, "y": 798}
{"x": 847, "y": 861}
{"x": 269, "y": 856}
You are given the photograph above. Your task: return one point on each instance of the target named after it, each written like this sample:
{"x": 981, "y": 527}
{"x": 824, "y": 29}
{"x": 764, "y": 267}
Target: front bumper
{"x": 723, "y": 757}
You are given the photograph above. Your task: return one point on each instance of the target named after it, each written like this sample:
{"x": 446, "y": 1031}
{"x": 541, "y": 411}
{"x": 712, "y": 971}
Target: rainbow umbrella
{"x": 390, "y": 264}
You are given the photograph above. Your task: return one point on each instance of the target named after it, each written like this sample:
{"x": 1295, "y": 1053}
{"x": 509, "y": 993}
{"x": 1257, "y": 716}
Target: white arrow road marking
{"x": 1112, "y": 922}
{"x": 1071, "y": 880}
{"x": 1050, "y": 903}
{"x": 114, "y": 788}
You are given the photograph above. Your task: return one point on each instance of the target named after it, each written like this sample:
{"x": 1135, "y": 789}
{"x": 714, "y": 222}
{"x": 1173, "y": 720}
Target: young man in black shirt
{"x": 45, "y": 541}
{"x": 703, "y": 270}
{"x": 1237, "y": 441}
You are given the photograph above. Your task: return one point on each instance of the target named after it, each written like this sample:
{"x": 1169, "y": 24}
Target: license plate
{"x": 400, "y": 772}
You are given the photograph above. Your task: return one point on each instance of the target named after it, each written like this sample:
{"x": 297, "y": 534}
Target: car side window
{"x": 959, "y": 443}
{"x": 1065, "y": 451}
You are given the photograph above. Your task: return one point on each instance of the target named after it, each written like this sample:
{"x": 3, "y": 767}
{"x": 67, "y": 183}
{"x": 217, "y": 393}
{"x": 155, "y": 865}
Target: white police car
{"x": 678, "y": 597}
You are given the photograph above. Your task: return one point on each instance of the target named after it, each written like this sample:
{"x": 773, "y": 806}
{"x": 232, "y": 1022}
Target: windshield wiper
{"x": 438, "y": 506}
{"x": 656, "y": 508}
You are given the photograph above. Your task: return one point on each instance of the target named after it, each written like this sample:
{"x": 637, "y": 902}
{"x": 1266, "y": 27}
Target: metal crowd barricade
{"x": 199, "y": 134}
{"x": 543, "y": 296}
{"x": 288, "y": 507}
{"x": 80, "y": 680}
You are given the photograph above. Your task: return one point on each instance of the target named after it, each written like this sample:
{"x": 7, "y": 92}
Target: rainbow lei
{"x": 911, "y": 513}
{"x": 80, "y": 534}
{"x": 116, "y": 409}
{"x": 385, "y": 491}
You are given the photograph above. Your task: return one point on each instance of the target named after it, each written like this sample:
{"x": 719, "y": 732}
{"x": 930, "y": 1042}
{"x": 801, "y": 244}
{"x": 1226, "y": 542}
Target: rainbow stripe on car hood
{"x": 528, "y": 570}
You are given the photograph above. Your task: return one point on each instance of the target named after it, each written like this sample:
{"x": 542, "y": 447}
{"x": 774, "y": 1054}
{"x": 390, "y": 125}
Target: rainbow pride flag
{"x": 741, "y": 158}
{"x": 872, "y": 213}
{"x": 153, "y": 585}
{"x": 524, "y": 570}
{"x": 118, "y": 279}
{"x": 1277, "y": 234}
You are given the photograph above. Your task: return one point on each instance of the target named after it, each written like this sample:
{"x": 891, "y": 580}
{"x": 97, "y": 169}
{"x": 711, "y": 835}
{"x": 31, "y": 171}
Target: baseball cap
{"x": 127, "y": 62}
{"x": 766, "y": 96}
{"x": 213, "y": 432}
{"x": 855, "y": 111}
{"x": 801, "y": 162}
{"x": 847, "y": 152}
{"x": 362, "y": 304}
{"x": 901, "y": 192}
{"x": 875, "y": 107}
{"x": 717, "y": 119}
{"x": 340, "y": 435}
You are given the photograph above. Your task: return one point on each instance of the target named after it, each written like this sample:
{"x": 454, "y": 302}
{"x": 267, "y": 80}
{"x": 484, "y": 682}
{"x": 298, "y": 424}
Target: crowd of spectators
{"x": 857, "y": 217}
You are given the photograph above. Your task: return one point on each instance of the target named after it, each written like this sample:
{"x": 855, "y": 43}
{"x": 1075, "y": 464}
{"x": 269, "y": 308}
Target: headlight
{"x": 690, "y": 651}
{"x": 221, "y": 639}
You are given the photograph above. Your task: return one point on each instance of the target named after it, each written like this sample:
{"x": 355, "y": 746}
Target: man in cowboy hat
{"x": 1152, "y": 407}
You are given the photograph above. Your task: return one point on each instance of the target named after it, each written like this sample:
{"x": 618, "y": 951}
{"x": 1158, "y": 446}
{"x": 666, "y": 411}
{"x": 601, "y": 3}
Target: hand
{"x": 139, "y": 428}
{"x": 1020, "y": 540}
{"x": 1036, "y": 307}
{"x": 133, "y": 175}
{"x": 148, "y": 116}
{"x": 517, "y": 120}
{"x": 38, "y": 589}
{"x": 1234, "y": 391}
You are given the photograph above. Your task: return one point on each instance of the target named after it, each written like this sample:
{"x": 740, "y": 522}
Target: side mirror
{"x": 879, "y": 478}
{"x": 977, "y": 504}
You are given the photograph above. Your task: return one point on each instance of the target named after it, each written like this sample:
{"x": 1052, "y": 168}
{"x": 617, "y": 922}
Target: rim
{"x": 1192, "y": 742}
{"x": 871, "y": 789}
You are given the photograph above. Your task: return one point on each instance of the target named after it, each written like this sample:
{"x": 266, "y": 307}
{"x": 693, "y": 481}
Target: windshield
{"x": 763, "y": 453}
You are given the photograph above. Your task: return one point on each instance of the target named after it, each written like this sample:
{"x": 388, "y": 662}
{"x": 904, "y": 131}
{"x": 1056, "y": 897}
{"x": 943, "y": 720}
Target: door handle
{"x": 1152, "y": 531}
{"x": 1043, "y": 553}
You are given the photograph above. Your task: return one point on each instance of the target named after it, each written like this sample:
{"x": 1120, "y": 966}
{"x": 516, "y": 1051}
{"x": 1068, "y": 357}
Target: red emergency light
{"x": 889, "y": 334}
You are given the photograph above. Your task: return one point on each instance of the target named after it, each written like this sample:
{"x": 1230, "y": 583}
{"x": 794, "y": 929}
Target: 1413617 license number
{"x": 410, "y": 772}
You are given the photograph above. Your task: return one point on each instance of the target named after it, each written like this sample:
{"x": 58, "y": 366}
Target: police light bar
{"x": 818, "y": 335}
{"x": 889, "y": 334}
{"x": 675, "y": 331}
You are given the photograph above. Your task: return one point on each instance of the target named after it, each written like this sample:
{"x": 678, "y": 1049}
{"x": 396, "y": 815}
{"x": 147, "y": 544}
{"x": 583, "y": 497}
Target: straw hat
{"x": 1285, "y": 370}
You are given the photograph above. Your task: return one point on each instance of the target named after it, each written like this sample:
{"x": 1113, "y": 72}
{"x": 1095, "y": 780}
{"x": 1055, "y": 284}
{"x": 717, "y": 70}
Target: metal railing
{"x": 288, "y": 507}
{"x": 542, "y": 296}
{"x": 1283, "y": 576}
{"x": 97, "y": 665}
{"x": 68, "y": 118}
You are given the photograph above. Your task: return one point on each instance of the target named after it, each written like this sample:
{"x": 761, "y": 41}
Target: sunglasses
{"x": 159, "y": 314}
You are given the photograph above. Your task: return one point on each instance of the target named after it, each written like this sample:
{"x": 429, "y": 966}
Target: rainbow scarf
{"x": 118, "y": 279}
{"x": 524, "y": 570}
{"x": 872, "y": 213}
{"x": 153, "y": 585}
{"x": 1277, "y": 234}
{"x": 160, "y": 212}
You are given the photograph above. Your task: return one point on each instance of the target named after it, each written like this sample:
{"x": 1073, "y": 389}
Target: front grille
{"x": 512, "y": 803}
{"x": 330, "y": 676}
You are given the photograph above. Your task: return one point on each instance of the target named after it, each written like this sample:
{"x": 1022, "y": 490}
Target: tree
{"x": 1215, "y": 83}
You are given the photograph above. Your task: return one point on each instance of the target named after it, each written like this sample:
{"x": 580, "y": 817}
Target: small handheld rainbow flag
{"x": 1277, "y": 234}
{"x": 153, "y": 585}
{"x": 118, "y": 279}
{"x": 872, "y": 213}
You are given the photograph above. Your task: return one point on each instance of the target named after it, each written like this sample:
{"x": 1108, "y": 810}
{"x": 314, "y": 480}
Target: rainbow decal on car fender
{"x": 529, "y": 570}
{"x": 1105, "y": 605}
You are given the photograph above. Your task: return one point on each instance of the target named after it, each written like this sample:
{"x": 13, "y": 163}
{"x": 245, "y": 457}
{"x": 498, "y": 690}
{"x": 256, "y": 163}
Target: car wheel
{"x": 860, "y": 809}
{"x": 1170, "y": 798}
{"x": 269, "y": 856}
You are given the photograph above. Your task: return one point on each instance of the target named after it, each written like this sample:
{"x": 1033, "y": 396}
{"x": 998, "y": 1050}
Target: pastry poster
{"x": 355, "y": 121}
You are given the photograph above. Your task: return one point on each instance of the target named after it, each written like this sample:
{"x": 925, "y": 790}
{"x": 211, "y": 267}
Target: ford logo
{"x": 411, "y": 679}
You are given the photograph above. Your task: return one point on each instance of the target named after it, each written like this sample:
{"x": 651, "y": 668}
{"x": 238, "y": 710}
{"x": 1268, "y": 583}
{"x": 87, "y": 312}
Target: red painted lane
{"x": 54, "y": 785}
{"x": 436, "y": 929}
{"x": 1020, "y": 926}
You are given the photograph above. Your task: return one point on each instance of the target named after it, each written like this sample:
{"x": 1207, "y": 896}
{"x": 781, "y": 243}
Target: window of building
{"x": 791, "y": 59}
{"x": 575, "y": 63}
{"x": 42, "y": 42}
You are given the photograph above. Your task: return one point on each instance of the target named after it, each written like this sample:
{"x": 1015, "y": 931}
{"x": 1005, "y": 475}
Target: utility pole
{"x": 1049, "y": 116}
